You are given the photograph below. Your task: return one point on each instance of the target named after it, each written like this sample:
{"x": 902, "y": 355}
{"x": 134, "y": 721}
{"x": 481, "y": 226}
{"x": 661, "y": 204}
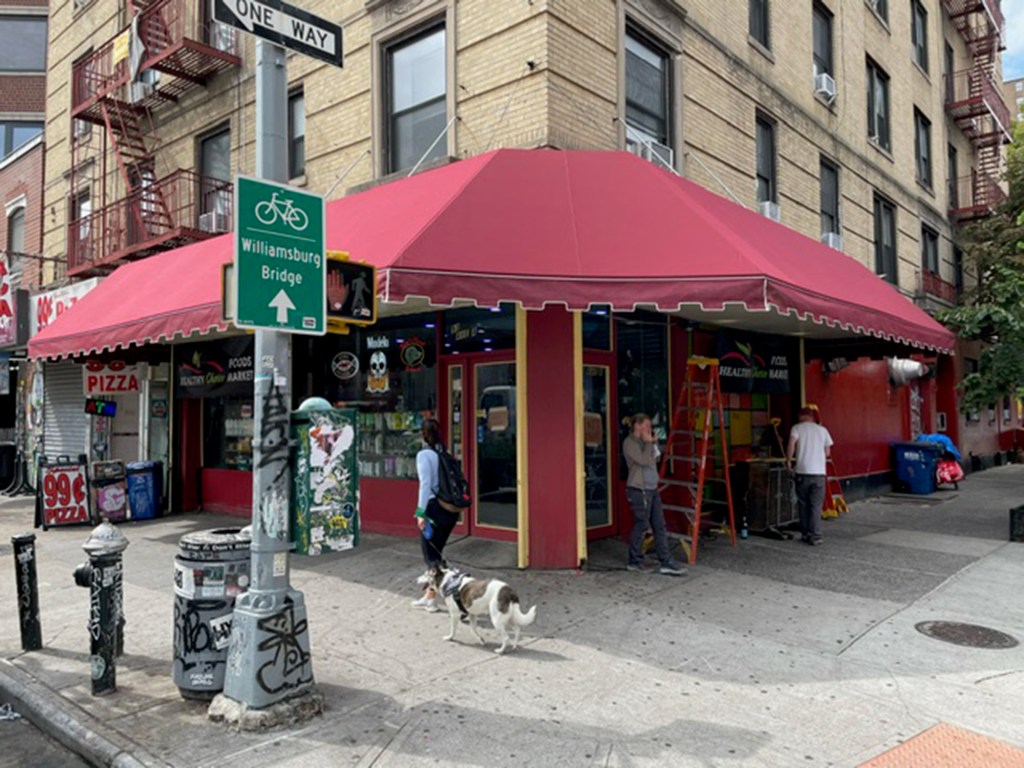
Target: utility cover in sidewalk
{"x": 946, "y": 746}
{"x": 971, "y": 635}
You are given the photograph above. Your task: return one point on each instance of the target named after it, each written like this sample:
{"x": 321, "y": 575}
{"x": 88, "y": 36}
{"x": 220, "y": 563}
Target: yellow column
{"x": 522, "y": 454}
{"x": 803, "y": 374}
{"x": 581, "y": 479}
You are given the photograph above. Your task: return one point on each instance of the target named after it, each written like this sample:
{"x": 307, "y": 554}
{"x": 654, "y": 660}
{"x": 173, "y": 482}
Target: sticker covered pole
{"x": 269, "y": 660}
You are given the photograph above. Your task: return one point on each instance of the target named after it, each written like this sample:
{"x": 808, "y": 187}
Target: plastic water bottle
{"x": 743, "y": 528}
{"x": 428, "y": 530}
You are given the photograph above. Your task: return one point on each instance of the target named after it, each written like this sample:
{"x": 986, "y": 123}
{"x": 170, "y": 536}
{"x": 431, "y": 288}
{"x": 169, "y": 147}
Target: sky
{"x": 1013, "y": 56}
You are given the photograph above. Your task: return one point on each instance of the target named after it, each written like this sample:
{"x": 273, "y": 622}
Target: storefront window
{"x": 597, "y": 329}
{"x": 595, "y": 445}
{"x": 388, "y": 373}
{"x": 479, "y": 330}
{"x": 227, "y": 433}
{"x": 642, "y": 343}
{"x": 220, "y": 373}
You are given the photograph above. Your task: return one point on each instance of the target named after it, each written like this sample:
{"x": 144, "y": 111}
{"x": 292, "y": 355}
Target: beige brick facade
{"x": 551, "y": 73}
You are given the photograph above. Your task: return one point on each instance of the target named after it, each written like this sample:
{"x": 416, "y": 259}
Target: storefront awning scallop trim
{"x": 172, "y": 295}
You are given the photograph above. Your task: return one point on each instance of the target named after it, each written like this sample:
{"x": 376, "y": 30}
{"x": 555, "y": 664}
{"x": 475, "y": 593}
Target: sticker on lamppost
{"x": 280, "y": 269}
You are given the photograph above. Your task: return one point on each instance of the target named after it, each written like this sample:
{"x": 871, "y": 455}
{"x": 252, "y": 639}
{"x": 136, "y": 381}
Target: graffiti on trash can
{"x": 195, "y": 638}
{"x": 289, "y": 667}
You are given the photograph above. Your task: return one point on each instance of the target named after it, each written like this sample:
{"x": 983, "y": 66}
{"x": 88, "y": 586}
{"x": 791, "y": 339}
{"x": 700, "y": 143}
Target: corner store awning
{"x": 538, "y": 227}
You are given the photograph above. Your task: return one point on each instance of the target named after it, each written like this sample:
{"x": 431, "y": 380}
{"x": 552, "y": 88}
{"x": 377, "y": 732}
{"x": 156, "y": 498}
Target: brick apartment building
{"x": 873, "y": 127}
{"x": 1013, "y": 95}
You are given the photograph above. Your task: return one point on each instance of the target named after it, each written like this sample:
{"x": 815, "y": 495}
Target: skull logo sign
{"x": 378, "y": 380}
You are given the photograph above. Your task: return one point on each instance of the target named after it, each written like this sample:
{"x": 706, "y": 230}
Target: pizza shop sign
{"x": 113, "y": 378}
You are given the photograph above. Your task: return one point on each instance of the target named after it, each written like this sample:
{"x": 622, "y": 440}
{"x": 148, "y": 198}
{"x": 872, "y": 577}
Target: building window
{"x": 822, "y": 40}
{"x": 885, "y": 240}
{"x": 881, "y": 7}
{"x": 415, "y": 99}
{"x": 15, "y": 234}
{"x": 829, "y": 197}
{"x": 296, "y": 135}
{"x": 648, "y": 95}
{"x": 81, "y": 210}
{"x": 930, "y": 250}
{"x": 923, "y": 148}
{"x": 759, "y": 22}
{"x": 952, "y": 185}
{"x": 958, "y": 269}
{"x": 15, "y": 133}
{"x": 215, "y": 165}
{"x": 23, "y": 44}
{"x": 878, "y": 106}
{"x": 919, "y": 33}
{"x": 765, "y": 148}
{"x": 950, "y": 65}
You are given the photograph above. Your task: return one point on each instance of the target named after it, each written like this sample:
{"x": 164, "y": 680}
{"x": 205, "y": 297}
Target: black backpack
{"x": 452, "y": 489}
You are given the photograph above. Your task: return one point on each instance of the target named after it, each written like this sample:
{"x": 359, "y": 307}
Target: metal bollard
{"x": 103, "y": 575}
{"x": 28, "y": 591}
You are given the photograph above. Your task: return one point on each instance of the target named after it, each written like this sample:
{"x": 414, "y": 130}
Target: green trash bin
{"x": 325, "y": 479}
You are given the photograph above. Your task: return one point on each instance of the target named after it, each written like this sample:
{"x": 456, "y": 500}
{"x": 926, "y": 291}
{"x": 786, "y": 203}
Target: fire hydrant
{"x": 103, "y": 575}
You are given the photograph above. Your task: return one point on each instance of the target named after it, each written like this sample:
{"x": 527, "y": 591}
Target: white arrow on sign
{"x": 283, "y": 305}
{"x": 251, "y": 12}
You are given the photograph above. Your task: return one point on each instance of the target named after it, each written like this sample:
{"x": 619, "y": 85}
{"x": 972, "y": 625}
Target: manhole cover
{"x": 971, "y": 635}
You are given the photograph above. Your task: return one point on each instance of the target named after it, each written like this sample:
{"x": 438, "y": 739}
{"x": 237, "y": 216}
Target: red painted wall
{"x": 861, "y": 411}
{"x": 387, "y": 506}
{"x": 227, "y": 491}
{"x": 550, "y": 439}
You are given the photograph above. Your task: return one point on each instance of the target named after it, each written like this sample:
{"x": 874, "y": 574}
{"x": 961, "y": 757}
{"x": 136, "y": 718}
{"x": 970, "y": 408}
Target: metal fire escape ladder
{"x": 974, "y": 102}
{"x": 696, "y": 447}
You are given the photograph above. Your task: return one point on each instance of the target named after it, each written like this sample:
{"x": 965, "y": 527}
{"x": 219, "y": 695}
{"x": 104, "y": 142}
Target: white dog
{"x": 471, "y": 597}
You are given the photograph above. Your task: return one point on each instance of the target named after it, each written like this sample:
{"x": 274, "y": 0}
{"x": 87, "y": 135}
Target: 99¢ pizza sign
{"x": 63, "y": 494}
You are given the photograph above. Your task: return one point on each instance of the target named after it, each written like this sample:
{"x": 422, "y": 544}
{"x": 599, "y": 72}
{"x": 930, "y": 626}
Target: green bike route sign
{"x": 280, "y": 269}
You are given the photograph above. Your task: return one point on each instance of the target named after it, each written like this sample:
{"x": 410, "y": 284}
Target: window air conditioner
{"x": 825, "y": 87}
{"x": 213, "y": 221}
{"x": 770, "y": 209}
{"x": 82, "y": 128}
{"x": 833, "y": 240}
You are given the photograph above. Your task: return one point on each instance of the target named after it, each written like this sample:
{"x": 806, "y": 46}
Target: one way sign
{"x": 283, "y": 24}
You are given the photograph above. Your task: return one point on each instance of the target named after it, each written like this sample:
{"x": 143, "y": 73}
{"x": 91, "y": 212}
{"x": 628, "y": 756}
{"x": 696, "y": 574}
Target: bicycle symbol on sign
{"x": 268, "y": 211}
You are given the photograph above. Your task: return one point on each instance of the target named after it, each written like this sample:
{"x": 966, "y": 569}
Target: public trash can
{"x": 916, "y": 464}
{"x": 144, "y": 489}
{"x": 210, "y": 571}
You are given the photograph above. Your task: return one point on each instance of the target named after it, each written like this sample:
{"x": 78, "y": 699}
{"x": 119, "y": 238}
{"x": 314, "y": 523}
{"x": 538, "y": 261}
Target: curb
{"x": 70, "y": 725}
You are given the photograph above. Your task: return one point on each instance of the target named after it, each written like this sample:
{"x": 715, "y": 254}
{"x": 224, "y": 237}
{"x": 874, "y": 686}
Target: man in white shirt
{"x": 811, "y": 445}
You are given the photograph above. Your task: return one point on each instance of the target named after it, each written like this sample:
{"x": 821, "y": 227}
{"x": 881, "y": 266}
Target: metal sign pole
{"x": 269, "y": 659}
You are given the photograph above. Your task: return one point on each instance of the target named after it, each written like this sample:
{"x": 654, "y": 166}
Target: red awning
{"x": 585, "y": 228}
{"x": 537, "y": 227}
{"x": 168, "y": 295}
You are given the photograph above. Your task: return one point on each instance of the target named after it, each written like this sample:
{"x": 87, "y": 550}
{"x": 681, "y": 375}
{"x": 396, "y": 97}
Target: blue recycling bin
{"x": 915, "y": 467}
{"x": 145, "y": 489}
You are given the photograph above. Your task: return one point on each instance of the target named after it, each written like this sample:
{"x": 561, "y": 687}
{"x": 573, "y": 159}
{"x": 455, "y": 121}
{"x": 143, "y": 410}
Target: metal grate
{"x": 970, "y": 635}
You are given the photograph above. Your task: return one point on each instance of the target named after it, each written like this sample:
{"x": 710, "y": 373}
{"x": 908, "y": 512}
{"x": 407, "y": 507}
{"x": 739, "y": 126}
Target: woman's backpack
{"x": 452, "y": 489}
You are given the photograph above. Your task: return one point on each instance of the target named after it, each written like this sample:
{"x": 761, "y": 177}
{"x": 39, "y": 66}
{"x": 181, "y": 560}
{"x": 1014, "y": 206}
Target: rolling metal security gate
{"x": 65, "y": 424}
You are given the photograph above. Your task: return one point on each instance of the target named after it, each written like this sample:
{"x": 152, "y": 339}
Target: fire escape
{"x": 168, "y": 48}
{"x": 975, "y": 103}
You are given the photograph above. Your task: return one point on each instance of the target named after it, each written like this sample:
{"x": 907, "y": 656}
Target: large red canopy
{"x": 537, "y": 227}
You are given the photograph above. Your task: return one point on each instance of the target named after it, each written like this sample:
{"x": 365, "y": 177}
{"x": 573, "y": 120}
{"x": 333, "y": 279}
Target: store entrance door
{"x": 479, "y": 414}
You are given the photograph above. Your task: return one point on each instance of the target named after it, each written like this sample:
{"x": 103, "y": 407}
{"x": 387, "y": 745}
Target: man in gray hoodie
{"x": 641, "y": 451}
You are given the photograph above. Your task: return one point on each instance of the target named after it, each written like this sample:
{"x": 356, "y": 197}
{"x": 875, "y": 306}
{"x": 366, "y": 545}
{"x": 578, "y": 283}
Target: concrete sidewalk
{"x": 771, "y": 654}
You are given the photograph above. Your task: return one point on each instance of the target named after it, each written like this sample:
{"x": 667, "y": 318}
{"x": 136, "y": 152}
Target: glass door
{"x": 494, "y": 395}
{"x": 597, "y": 456}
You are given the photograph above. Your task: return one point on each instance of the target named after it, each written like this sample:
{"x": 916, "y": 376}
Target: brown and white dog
{"x": 471, "y": 597}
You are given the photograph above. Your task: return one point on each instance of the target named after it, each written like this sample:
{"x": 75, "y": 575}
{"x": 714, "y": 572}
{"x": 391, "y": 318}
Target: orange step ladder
{"x": 686, "y": 471}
